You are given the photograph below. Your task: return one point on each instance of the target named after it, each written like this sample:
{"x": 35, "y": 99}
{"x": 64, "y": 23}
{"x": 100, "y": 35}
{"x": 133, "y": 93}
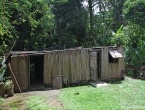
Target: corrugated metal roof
{"x": 115, "y": 54}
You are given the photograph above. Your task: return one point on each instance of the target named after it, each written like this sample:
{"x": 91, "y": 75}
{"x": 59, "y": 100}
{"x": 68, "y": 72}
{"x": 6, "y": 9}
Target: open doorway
{"x": 36, "y": 71}
{"x": 99, "y": 64}
{"x": 95, "y": 65}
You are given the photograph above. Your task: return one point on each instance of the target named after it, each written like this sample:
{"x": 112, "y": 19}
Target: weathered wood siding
{"x": 111, "y": 70}
{"x": 74, "y": 64}
{"x": 104, "y": 63}
{"x": 20, "y": 67}
{"x": 121, "y": 62}
{"x": 93, "y": 66}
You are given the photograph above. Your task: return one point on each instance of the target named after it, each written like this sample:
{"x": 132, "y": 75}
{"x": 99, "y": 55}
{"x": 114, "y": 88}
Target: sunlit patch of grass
{"x": 1, "y": 99}
{"x": 13, "y": 105}
{"x": 118, "y": 95}
{"x": 39, "y": 103}
{"x": 1, "y": 102}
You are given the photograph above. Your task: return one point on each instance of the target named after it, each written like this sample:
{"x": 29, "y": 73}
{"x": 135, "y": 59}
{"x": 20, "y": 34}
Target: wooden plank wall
{"x": 20, "y": 67}
{"x": 104, "y": 63}
{"x": 121, "y": 61}
{"x": 93, "y": 66}
{"x": 74, "y": 64}
{"x": 111, "y": 70}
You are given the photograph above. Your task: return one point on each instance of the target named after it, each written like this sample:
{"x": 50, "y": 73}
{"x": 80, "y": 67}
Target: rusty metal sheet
{"x": 115, "y": 54}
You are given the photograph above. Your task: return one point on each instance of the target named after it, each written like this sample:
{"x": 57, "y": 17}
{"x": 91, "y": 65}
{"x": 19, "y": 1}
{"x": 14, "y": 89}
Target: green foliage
{"x": 116, "y": 9}
{"x": 1, "y": 99}
{"x": 2, "y": 69}
{"x": 9, "y": 85}
{"x": 71, "y": 24}
{"x": 119, "y": 38}
{"x": 102, "y": 28}
{"x": 134, "y": 11}
{"x": 132, "y": 37}
{"x": 7, "y": 31}
{"x": 30, "y": 22}
{"x": 129, "y": 73}
{"x": 135, "y": 58}
{"x": 33, "y": 25}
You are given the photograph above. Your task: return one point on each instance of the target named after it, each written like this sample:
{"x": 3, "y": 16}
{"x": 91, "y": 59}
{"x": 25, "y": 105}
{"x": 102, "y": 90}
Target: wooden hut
{"x": 106, "y": 63}
{"x": 66, "y": 66}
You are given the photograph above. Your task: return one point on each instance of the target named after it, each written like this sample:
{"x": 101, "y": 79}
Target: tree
{"x": 35, "y": 26}
{"x": 6, "y": 29}
{"x": 116, "y": 8}
{"x": 105, "y": 18}
{"x": 131, "y": 35}
{"x": 71, "y": 24}
{"x": 134, "y": 12}
{"x": 29, "y": 22}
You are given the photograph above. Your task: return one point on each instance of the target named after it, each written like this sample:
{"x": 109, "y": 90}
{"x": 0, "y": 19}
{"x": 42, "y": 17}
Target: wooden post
{"x": 57, "y": 81}
{"x": 9, "y": 65}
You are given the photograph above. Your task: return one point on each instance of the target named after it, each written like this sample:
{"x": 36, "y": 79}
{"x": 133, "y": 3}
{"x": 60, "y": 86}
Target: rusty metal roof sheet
{"x": 115, "y": 54}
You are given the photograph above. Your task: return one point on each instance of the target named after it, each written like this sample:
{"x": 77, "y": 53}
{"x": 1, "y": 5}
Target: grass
{"x": 30, "y": 103}
{"x": 13, "y": 105}
{"x": 39, "y": 103}
{"x": 1, "y": 99}
{"x": 121, "y": 95}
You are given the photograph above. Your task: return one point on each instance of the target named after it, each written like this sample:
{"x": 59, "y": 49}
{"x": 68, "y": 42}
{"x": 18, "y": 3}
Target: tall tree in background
{"x": 32, "y": 23}
{"x": 131, "y": 35}
{"x": 91, "y": 9}
{"x": 105, "y": 18}
{"x": 71, "y": 24}
{"x": 6, "y": 29}
{"x": 134, "y": 12}
{"x": 117, "y": 13}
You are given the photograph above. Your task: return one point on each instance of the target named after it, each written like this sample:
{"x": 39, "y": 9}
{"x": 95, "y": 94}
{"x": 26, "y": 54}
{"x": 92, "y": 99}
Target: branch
{"x": 95, "y": 4}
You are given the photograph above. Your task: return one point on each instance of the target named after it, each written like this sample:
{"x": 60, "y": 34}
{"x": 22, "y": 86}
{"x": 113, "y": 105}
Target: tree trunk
{"x": 91, "y": 22}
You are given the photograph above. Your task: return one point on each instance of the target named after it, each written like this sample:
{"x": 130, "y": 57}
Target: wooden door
{"x": 93, "y": 66}
{"x": 20, "y": 68}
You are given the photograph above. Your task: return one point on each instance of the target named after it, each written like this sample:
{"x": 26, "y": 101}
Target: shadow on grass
{"x": 114, "y": 81}
{"x": 81, "y": 83}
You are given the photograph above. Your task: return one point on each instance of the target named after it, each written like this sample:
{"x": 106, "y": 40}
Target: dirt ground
{"x": 19, "y": 99}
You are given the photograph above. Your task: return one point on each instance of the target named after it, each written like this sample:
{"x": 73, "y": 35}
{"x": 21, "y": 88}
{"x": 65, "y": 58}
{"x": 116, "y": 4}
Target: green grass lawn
{"x": 39, "y": 103}
{"x": 121, "y": 95}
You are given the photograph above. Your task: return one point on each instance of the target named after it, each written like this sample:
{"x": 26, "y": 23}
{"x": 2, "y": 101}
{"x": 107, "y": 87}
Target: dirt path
{"x": 19, "y": 99}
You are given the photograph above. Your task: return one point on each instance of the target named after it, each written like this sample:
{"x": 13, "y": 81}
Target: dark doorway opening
{"x": 36, "y": 71}
{"x": 99, "y": 64}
